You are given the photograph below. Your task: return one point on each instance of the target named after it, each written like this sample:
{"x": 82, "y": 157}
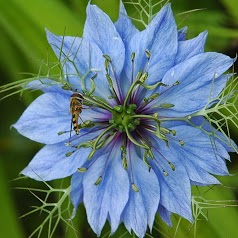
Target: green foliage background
{"x": 22, "y": 47}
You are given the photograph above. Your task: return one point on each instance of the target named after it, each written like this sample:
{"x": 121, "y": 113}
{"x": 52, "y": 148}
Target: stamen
{"x": 182, "y": 143}
{"x": 134, "y": 141}
{"x": 169, "y": 163}
{"x": 62, "y": 132}
{"x": 82, "y": 169}
{"x": 98, "y": 181}
{"x": 96, "y": 142}
{"x": 161, "y": 136}
{"x": 149, "y": 152}
{"x": 140, "y": 79}
{"x": 124, "y": 160}
{"x": 112, "y": 144}
{"x": 108, "y": 62}
{"x": 172, "y": 166}
{"x": 97, "y": 101}
{"x": 150, "y": 98}
{"x": 147, "y": 53}
{"x": 133, "y": 66}
{"x": 167, "y": 131}
{"x": 162, "y": 168}
{"x": 166, "y": 105}
{"x": 85, "y": 144}
{"x": 174, "y": 84}
{"x": 134, "y": 187}
{"x": 154, "y": 117}
{"x": 145, "y": 159}
{"x": 69, "y": 153}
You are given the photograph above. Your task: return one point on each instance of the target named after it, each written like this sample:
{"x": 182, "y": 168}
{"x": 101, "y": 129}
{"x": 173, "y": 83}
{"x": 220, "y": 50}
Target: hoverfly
{"x": 76, "y": 106}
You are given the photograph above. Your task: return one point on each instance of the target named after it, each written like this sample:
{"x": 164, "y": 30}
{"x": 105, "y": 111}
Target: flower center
{"x": 131, "y": 124}
{"x": 122, "y": 119}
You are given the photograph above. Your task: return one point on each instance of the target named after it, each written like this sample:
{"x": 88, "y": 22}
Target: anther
{"x": 173, "y": 132}
{"x": 82, "y": 169}
{"x": 172, "y": 166}
{"x": 62, "y": 132}
{"x": 98, "y": 181}
{"x": 147, "y": 53}
{"x": 182, "y": 143}
{"x": 133, "y": 56}
{"x": 143, "y": 77}
{"x": 69, "y": 153}
{"x": 124, "y": 162}
{"x": 107, "y": 57}
{"x": 134, "y": 187}
{"x": 165, "y": 173}
{"x": 166, "y": 105}
{"x": 151, "y": 98}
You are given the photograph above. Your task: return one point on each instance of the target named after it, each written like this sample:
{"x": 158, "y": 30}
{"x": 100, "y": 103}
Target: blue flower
{"x": 134, "y": 98}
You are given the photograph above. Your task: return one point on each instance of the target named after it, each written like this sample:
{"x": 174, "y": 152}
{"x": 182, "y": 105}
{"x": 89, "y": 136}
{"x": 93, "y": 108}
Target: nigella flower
{"x": 135, "y": 102}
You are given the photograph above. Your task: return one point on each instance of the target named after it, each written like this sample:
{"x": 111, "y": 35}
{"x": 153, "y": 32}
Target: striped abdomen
{"x": 76, "y": 106}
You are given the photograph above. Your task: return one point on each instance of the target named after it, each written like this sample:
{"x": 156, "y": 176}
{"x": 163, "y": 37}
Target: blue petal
{"x": 182, "y": 33}
{"x": 197, "y": 174}
{"x": 142, "y": 206}
{"x": 165, "y": 215}
{"x": 49, "y": 115}
{"x": 124, "y": 26}
{"x": 101, "y": 30}
{"x": 201, "y": 151}
{"x": 190, "y": 48}
{"x": 227, "y": 142}
{"x": 199, "y": 80}
{"x": 45, "y": 117}
{"x": 51, "y": 162}
{"x": 109, "y": 197}
{"x": 175, "y": 189}
{"x": 127, "y": 30}
{"x": 76, "y": 194}
{"x": 80, "y": 59}
{"x": 160, "y": 38}
{"x": 47, "y": 85}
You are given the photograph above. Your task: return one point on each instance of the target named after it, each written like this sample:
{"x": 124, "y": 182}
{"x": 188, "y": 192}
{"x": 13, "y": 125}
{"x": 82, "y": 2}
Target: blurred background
{"x": 22, "y": 47}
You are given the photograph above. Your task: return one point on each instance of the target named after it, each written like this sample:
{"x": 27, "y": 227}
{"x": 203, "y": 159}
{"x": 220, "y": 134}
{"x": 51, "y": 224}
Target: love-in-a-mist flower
{"x": 134, "y": 139}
